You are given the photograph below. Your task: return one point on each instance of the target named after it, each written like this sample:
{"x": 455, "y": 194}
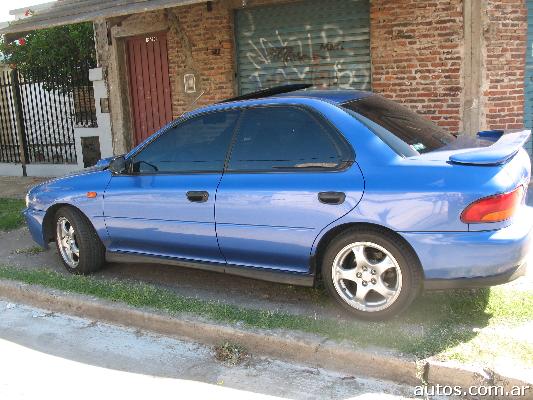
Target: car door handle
{"x": 197, "y": 196}
{"x": 331, "y": 197}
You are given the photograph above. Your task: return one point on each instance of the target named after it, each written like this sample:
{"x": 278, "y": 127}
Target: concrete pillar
{"x": 103, "y": 131}
{"x": 472, "y": 66}
{"x": 109, "y": 54}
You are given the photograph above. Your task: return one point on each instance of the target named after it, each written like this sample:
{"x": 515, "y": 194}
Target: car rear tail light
{"x": 494, "y": 208}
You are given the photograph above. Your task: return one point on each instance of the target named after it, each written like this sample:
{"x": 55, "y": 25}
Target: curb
{"x": 292, "y": 346}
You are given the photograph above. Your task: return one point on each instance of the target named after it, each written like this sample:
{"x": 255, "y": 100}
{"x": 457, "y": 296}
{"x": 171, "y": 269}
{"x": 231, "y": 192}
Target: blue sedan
{"x": 294, "y": 185}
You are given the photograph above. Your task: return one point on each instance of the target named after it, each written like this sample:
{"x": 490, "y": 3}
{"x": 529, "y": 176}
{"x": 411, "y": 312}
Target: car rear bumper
{"x": 34, "y": 219}
{"x": 474, "y": 259}
{"x": 479, "y": 282}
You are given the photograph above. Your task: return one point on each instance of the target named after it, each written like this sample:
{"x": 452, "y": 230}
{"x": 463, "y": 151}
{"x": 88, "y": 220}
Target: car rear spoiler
{"x": 500, "y": 152}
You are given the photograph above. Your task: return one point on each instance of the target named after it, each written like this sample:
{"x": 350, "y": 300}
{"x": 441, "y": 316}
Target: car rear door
{"x": 164, "y": 204}
{"x": 289, "y": 176}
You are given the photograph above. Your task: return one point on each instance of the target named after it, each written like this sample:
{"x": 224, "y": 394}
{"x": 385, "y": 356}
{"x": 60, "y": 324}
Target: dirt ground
{"x": 15, "y": 187}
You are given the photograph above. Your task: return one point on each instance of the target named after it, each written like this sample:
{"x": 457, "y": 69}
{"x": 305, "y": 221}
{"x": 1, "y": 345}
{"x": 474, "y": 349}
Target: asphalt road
{"x": 46, "y": 355}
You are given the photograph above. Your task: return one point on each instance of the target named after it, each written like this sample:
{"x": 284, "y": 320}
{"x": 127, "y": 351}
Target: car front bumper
{"x": 34, "y": 219}
{"x": 475, "y": 258}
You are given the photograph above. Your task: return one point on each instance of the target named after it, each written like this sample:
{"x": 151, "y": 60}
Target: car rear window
{"x": 403, "y": 130}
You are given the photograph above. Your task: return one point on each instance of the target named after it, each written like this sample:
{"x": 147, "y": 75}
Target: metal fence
{"x": 38, "y": 115}
{"x": 9, "y": 143}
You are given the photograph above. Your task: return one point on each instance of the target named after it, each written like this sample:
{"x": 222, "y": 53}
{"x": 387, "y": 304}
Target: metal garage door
{"x": 528, "y": 106}
{"x": 304, "y": 42}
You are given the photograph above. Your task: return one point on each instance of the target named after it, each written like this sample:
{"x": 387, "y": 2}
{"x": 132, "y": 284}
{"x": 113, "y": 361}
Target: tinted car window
{"x": 394, "y": 122}
{"x": 277, "y": 138}
{"x": 199, "y": 144}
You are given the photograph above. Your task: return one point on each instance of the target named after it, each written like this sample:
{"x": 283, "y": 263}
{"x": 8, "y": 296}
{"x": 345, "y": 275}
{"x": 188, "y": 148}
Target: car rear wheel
{"x": 77, "y": 243}
{"x": 372, "y": 274}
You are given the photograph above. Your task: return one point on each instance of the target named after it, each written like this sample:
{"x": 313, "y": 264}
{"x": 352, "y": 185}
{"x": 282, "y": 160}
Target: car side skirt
{"x": 285, "y": 277}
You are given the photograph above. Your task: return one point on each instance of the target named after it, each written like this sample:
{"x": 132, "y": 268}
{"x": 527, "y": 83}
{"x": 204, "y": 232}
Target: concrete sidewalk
{"x": 62, "y": 354}
{"x": 315, "y": 352}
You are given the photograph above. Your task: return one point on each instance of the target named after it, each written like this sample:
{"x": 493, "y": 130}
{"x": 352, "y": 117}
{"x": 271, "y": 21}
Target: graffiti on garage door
{"x": 287, "y": 45}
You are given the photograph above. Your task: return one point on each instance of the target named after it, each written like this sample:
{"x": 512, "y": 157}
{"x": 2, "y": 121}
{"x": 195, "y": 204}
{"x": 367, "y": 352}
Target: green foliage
{"x": 55, "y": 50}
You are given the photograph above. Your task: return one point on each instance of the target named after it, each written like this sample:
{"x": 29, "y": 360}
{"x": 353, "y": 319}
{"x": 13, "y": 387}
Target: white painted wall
{"x": 103, "y": 131}
{"x": 9, "y": 169}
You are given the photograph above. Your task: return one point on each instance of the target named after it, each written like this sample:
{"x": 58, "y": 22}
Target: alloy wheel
{"x": 366, "y": 276}
{"x": 67, "y": 242}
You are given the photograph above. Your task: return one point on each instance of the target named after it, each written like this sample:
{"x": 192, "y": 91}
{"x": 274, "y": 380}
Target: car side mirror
{"x": 118, "y": 165}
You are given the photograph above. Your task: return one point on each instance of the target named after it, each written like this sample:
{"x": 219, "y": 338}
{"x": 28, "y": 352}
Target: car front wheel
{"x": 372, "y": 274}
{"x": 77, "y": 243}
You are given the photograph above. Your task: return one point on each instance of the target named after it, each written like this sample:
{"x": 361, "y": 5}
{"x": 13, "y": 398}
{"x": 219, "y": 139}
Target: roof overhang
{"x": 68, "y": 12}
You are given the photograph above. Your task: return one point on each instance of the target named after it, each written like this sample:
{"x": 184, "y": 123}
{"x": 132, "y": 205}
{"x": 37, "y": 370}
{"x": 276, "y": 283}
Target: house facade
{"x": 461, "y": 63}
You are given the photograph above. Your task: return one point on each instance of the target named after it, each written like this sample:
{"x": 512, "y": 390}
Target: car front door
{"x": 290, "y": 175}
{"x": 164, "y": 204}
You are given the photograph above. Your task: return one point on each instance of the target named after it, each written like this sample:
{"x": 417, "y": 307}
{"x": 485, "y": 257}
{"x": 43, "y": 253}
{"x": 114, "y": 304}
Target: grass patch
{"x": 437, "y": 324}
{"x": 29, "y": 251}
{"x": 491, "y": 345}
{"x": 11, "y": 214}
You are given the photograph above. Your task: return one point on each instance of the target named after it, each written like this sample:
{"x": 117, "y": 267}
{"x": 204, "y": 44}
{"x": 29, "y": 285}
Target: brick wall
{"x": 416, "y": 49}
{"x": 209, "y": 57}
{"x": 416, "y": 55}
{"x": 505, "y": 41}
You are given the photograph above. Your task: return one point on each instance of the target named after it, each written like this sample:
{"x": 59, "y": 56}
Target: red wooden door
{"x": 149, "y": 83}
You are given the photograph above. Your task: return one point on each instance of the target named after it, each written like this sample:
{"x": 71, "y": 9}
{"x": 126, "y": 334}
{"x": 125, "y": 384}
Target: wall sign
{"x": 189, "y": 83}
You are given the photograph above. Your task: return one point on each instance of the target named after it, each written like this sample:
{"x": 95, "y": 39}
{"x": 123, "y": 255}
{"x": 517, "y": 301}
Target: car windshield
{"x": 403, "y": 130}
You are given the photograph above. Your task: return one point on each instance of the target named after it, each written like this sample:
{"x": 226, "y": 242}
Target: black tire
{"x": 406, "y": 259}
{"x": 91, "y": 250}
